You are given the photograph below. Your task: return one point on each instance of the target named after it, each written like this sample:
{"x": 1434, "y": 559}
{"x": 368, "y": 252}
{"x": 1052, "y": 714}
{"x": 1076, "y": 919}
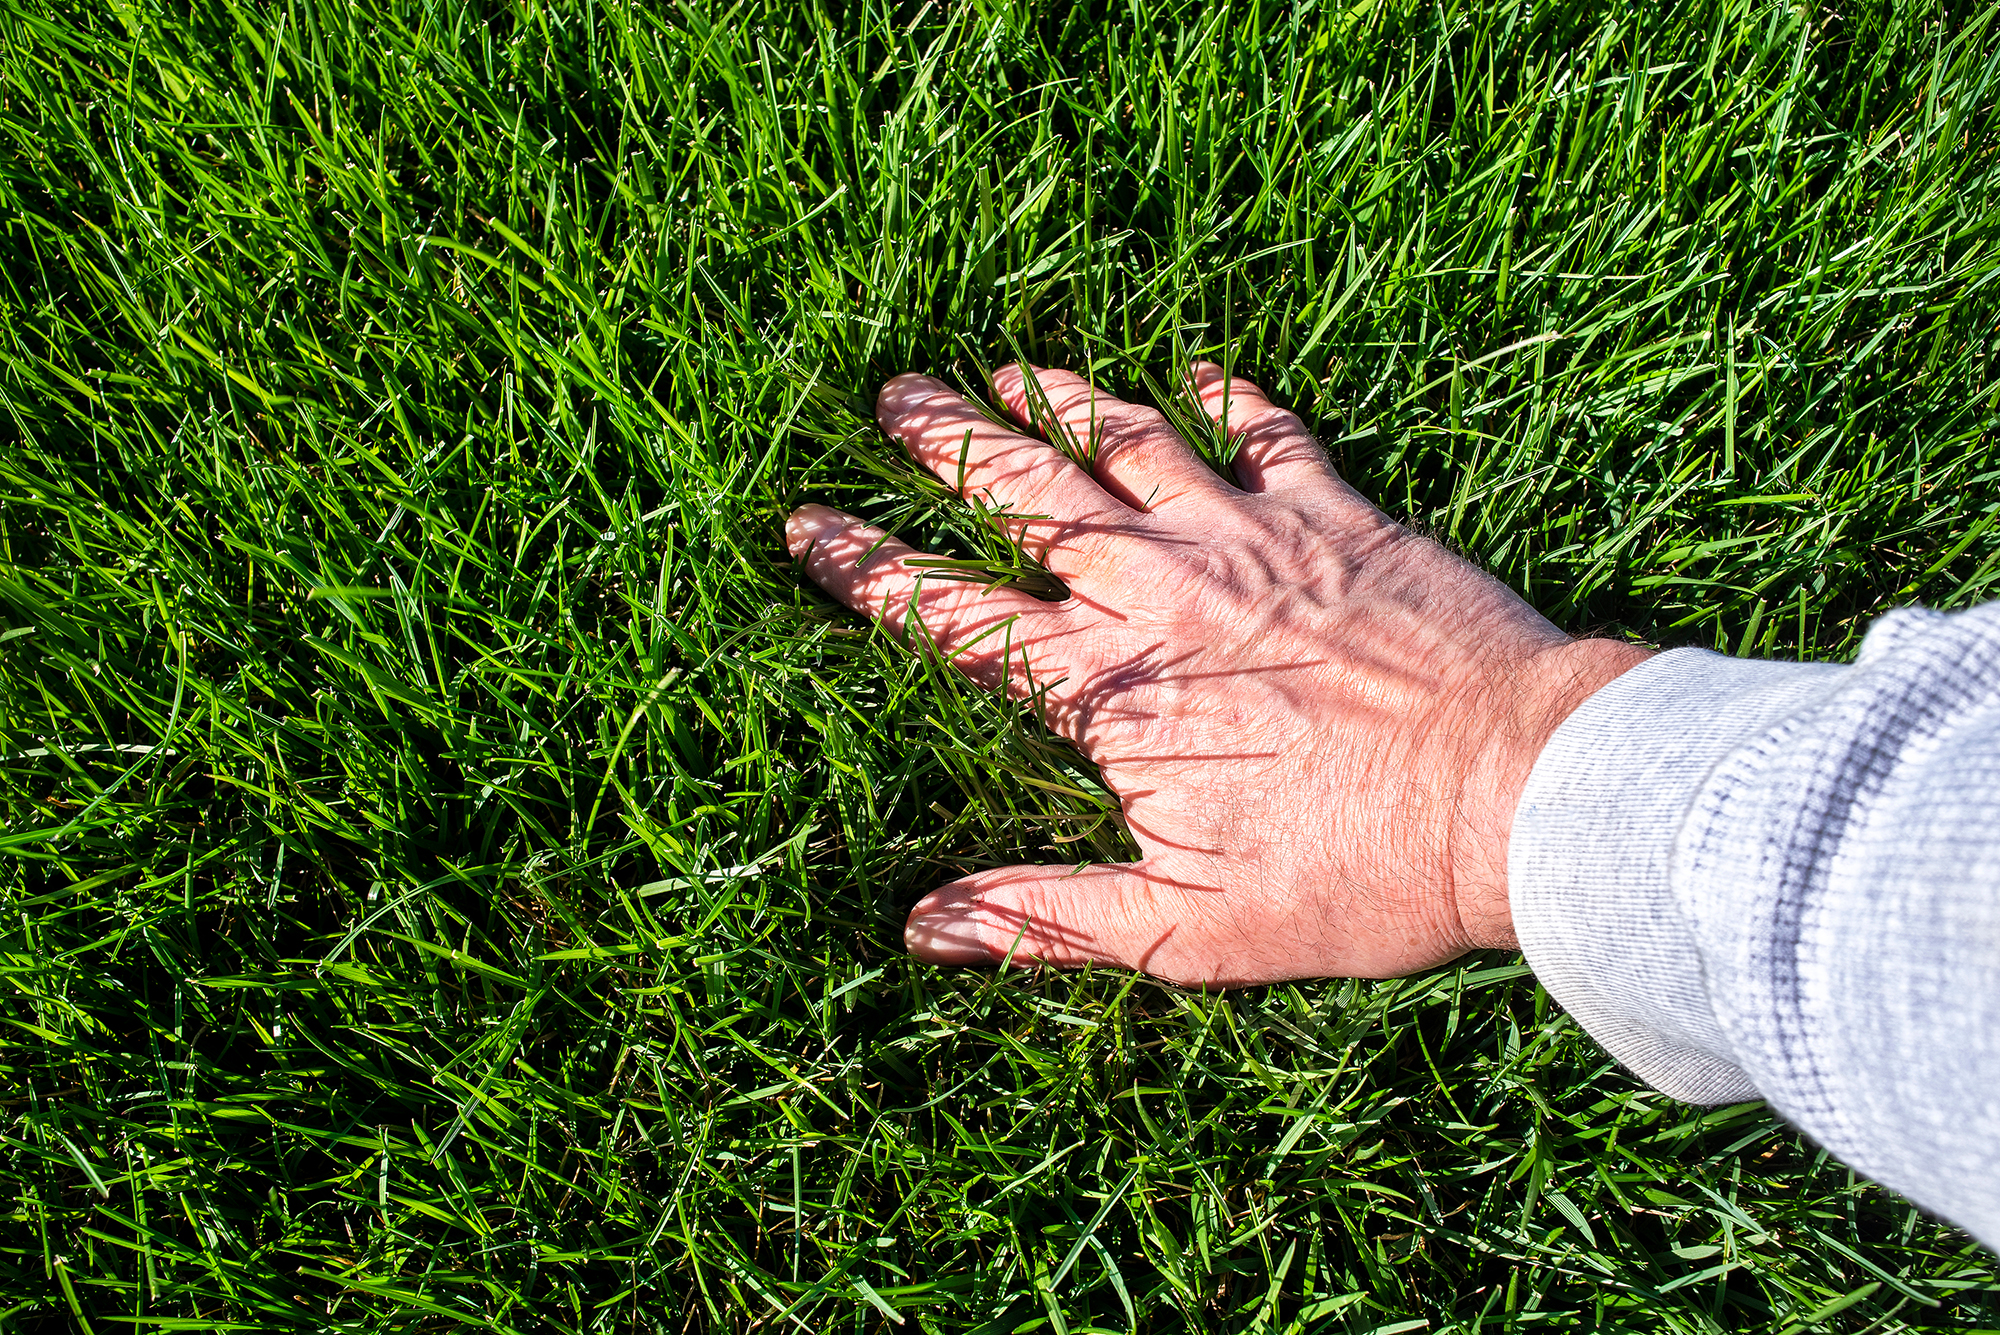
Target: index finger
{"x": 1007, "y": 471}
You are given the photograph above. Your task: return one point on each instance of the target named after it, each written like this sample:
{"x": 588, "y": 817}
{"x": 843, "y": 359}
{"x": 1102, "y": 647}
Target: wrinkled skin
{"x": 1317, "y": 723}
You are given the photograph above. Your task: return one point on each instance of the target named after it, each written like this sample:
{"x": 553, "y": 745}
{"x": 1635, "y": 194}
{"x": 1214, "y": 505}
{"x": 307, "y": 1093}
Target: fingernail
{"x": 945, "y": 929}
{"x": 809, "y": 524}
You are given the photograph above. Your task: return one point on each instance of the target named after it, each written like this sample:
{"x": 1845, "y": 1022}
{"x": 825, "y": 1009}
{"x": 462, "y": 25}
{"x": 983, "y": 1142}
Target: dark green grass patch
{"x": 454, "y": 869}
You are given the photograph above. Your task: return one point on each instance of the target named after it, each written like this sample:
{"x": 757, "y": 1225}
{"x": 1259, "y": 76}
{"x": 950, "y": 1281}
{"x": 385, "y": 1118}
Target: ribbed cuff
{"x": 1591, "y": 846}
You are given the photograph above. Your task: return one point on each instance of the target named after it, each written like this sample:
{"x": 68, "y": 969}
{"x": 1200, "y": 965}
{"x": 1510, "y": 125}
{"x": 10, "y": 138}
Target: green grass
{"x": 455, "y": 868}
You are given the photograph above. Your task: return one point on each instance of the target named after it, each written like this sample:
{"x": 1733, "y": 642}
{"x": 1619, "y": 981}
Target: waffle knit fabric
{"x": 1782, "y": 881}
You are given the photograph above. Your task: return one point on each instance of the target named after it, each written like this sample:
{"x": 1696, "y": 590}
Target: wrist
{"x": 1538, "y": 695}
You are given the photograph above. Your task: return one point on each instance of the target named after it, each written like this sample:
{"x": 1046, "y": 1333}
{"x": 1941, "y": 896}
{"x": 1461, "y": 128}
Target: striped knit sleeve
{"x": 1751, "y": 879}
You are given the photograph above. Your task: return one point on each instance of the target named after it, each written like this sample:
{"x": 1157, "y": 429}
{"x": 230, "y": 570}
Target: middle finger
{"x": 1044, "y": 498}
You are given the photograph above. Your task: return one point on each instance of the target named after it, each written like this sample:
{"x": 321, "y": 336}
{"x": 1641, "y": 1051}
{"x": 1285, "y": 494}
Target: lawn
{"x": 455, "y": 865}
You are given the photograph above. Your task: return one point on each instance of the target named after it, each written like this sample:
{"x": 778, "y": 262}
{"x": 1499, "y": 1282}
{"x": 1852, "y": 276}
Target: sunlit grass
{"x": 456, "y": 869}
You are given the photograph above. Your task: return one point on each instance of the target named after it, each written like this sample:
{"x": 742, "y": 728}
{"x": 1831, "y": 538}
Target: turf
{"x": 455, "y": 866}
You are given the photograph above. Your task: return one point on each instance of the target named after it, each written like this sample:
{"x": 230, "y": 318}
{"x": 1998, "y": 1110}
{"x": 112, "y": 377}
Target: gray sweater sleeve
{"x": 1774, "y": 880}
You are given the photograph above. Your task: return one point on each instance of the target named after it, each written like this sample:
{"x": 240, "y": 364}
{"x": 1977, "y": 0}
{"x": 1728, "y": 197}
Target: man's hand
{"x": 1317, "y": 722}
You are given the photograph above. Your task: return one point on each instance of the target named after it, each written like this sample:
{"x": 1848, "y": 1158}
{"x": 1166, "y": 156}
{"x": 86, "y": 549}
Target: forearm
{"x": 1783, "y": 880}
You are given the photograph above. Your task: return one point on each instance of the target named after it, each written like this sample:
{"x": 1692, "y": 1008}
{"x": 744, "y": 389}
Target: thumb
{"x": 1124, "y": 916}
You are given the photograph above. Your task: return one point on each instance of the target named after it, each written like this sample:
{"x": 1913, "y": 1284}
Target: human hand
{"x": 1316, "y": 722}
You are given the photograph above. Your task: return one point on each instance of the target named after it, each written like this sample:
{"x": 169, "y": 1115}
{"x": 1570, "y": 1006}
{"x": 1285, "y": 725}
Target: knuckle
{"x": 1089, "y": 545}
